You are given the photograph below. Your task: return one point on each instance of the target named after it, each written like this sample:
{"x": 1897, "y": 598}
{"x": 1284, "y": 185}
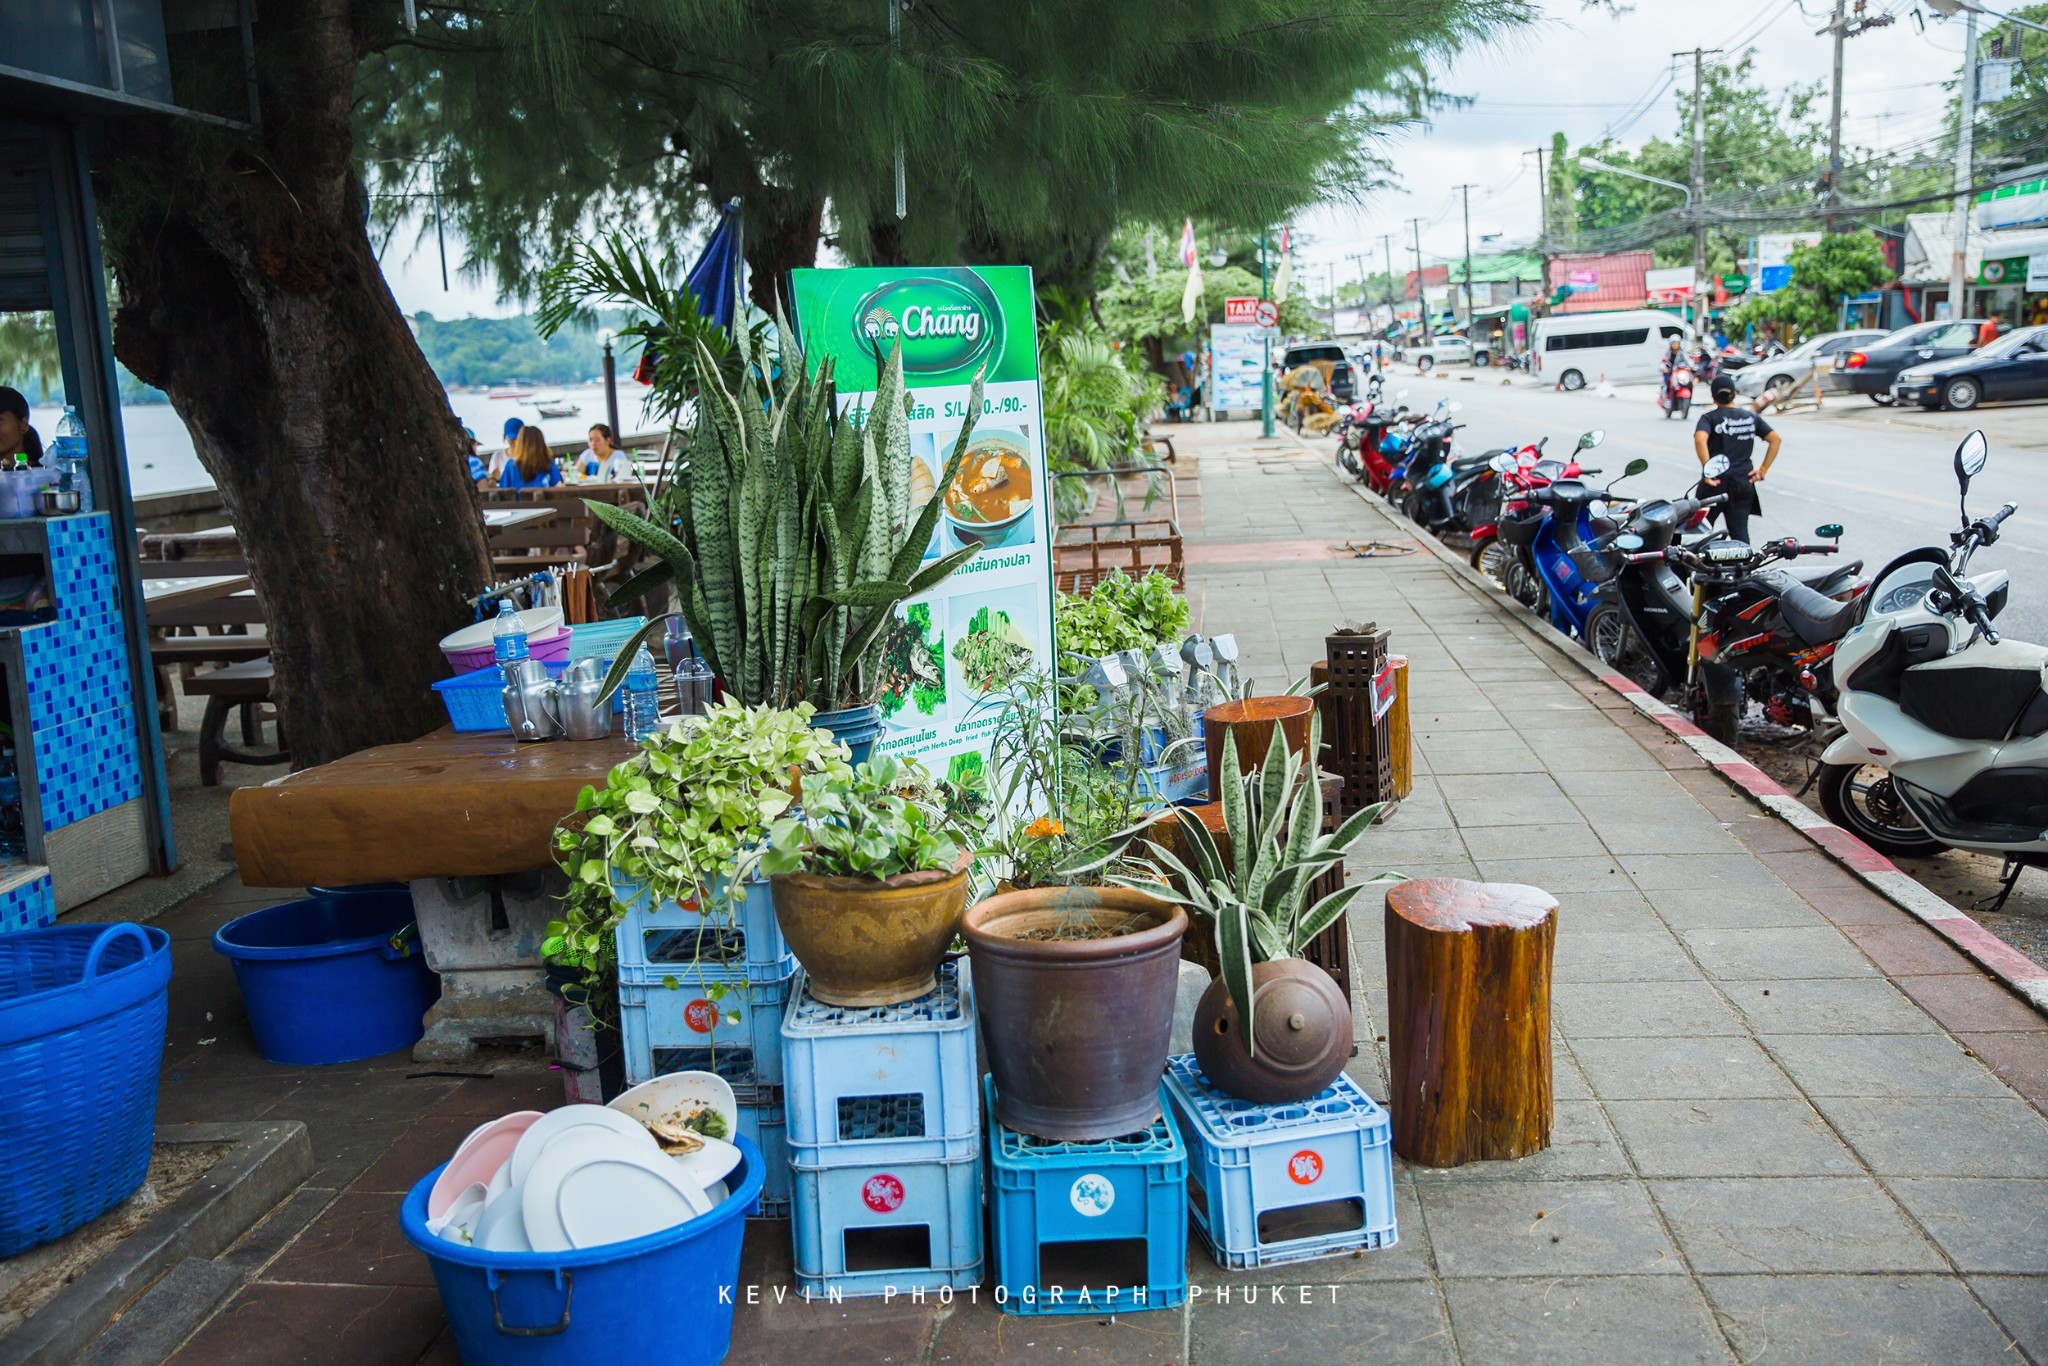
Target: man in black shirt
{"x": 1731, "y": 431}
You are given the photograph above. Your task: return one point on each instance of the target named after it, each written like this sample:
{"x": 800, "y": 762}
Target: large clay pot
{"x": 1249, "y": 725}
{"x": 1302, "y": 1026}
{"x": 1077, "y": 1029}
{"x": 869, "y": 943}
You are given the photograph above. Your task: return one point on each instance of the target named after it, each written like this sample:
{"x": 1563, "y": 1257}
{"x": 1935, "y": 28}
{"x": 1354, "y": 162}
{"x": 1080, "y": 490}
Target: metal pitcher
{"x": 584, "y": 714}
{"x": 531, "y": 707}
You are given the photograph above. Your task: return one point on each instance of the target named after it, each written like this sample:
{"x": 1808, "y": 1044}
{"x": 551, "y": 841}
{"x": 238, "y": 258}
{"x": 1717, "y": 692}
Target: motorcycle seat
{"x": 1466, "y": 464}
{"x": 1814, "y": 617}
{"x": 1820, "y": 575}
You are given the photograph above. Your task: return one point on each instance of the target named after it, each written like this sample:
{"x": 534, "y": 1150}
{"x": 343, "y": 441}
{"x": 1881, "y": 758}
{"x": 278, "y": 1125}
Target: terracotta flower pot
{"x": 1301, "y": 1025}
{"x": 869, "y": 943}
{"x": 1077, "y": 1029}
{"x": 1250, "y": 725}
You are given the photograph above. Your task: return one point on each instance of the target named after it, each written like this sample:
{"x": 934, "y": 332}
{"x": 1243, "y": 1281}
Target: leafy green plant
{"x": 877, "y": 820}
{"x": 789, "y": 533}
{"x": 1258, "y": 897}
{"x": 1121, "y": 613}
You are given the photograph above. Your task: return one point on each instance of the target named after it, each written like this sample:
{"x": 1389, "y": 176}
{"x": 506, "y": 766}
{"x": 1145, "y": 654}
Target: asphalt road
{"x": 1892, "y": 490}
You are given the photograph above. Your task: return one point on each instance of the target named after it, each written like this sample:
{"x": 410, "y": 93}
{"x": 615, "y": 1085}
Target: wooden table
{"x": 185, "y": 590}
{"x": 527, "y": 514}
{"x": 469, "y": 804}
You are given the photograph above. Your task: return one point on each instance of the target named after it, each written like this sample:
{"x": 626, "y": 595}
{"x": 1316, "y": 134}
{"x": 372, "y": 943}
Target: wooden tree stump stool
{"x": 1468, "y": 1028}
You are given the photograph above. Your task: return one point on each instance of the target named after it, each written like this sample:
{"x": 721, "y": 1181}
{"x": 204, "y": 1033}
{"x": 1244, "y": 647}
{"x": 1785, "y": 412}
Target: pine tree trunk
{"x": 250, "y": 294}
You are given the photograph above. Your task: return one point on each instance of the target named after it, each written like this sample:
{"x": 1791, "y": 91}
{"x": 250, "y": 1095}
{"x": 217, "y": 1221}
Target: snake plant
{"x": 1257, "y": 898}
{"x": 789, "y": 534}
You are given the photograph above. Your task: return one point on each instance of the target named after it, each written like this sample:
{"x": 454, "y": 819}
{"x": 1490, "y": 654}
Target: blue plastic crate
{"x": 476, "y": 700}
{"x": 652, "y": 938}
{"x": 876, "y": 1083}
{"x": 602, "y": 639}
{"x": 1045, "y": 1193}
{"x": 1270, "y": 1181}
{"x": 657, "y": 1021}
{"x": 764, "y": 1125}
{"x": 856, "y": 1228}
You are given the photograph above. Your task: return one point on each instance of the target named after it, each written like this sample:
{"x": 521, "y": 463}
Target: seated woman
{"x": 16, "y": 436}
{"x": 529, "y": 464}
{"x": 603, "y": 461}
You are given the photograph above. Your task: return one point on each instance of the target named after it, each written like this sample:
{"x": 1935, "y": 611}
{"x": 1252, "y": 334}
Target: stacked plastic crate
{"x": 704, "y": 988}
{"x": 884, "y": 1142}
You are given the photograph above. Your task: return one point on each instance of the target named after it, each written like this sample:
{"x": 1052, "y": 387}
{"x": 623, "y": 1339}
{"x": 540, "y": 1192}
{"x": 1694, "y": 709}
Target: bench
{"x": 237, "y": 687}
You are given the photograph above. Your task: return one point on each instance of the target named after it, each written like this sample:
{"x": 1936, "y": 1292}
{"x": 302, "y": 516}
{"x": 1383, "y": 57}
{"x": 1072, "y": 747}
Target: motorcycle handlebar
{"x": 1993, "y": 522}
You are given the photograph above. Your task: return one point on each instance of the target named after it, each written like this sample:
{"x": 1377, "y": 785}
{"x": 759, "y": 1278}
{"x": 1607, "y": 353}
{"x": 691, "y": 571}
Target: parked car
{"x": 1329, "y": 358}
{"x": 1444, "y": 349}
{"x": 1794, "y": 368}
{"x": 1870, "y": 370}
{"x": 1573, "y": 350}
{"x": 2014, "y": 366}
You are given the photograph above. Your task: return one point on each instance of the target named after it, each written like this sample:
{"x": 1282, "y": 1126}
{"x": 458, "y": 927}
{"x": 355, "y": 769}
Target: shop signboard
{"x": 1237, "y": 363}
{"x": 954, "y": 649}
{"x": 1672, "y": 286}
{"x": 1774, "y": 258}
{"x": 2037, "y": 273}
{"x": 1735, "y": 283}
{"x": 2023, "y": 204}
{"x": 1241, "y": 310}
{"x": 2004, "y": 270}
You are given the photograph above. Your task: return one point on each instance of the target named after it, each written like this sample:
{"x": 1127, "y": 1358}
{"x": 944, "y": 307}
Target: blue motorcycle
{"x": 1569, "y": 551}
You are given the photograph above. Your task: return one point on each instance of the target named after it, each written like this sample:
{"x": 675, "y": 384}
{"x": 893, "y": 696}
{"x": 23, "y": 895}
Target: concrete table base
{"x": 483, "y": 936}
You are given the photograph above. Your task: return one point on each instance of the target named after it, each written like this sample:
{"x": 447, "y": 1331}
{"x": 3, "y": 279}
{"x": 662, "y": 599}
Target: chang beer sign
{"x": 946, "y": 322}
{"x": 950, "y": 320}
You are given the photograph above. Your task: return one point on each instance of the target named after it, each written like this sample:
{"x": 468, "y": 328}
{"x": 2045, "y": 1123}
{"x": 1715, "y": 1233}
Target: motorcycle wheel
{"x": 1524, "y": 586}
{"x": 1720, "y": 720}
{"x": 1491, "y": 558}
{"x": 1860, "y": 798}
{"x": 1612, "y": 637}
{"x": 1685, "y": 407}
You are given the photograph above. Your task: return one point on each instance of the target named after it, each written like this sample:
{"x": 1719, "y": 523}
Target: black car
{"x": 2014, "y": 366}
{"x": 1870, "y": 370}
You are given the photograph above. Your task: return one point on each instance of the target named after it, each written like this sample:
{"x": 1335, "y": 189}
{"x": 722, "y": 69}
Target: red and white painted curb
{"x": 2020, "y": 973}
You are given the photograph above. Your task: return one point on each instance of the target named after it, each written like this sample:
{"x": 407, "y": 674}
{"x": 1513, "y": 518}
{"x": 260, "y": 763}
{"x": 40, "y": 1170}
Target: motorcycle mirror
{"x": 1591, "y": 439}
{"x": 1597, "y": 509}
{"x": 1634, "y": 468}
{"x": 1502, "y": 464}
{"x": 1455, "y": 406}
{"x": 1527, "y": 460}
{"x": 1628, "y": 541}
{"x": 1970, "y": 458}
{"x": 1832, "y": 531}
{"x": 1716, "y": 467}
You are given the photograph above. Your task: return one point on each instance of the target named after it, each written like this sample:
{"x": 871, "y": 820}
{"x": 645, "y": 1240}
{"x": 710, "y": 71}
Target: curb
{"x": 2020, "y": 974}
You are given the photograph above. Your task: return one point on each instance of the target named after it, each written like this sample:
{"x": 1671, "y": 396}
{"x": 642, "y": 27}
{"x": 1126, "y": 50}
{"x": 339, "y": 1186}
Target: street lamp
{"x": 1949, "y": 9}
{"x": 1589, "y": 164}
{"x": 611, "y": 384}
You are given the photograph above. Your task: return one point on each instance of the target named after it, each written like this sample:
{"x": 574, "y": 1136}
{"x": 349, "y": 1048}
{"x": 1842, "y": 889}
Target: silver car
{"x": 1795, "y": 368}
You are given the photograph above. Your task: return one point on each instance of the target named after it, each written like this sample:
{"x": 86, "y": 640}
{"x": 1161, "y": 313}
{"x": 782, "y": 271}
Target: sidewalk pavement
{"x": 1792, "y": 1124}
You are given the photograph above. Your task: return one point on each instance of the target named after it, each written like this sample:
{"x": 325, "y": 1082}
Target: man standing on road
{"x": 1733, "y": 432}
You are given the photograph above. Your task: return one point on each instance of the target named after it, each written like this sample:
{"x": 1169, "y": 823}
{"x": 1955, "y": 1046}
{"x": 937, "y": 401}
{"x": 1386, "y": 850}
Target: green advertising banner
{"x": 954, "y": 652}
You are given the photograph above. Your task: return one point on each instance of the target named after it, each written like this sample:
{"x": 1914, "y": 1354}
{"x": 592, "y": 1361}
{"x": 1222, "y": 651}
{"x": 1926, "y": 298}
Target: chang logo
{"x": 947, "y": 321}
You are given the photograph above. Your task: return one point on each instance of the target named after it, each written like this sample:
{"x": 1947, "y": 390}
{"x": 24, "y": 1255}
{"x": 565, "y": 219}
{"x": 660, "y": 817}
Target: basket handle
{"x": 107, "y": 938}
{"x": 565, "y": 1280}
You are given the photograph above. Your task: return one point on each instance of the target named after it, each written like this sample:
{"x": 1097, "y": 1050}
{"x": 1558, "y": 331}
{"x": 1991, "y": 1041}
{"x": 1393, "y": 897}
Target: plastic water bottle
{"x": 643, "y": 705}
{"x": 508, "y": 635}
{"x": 69, "y": 450}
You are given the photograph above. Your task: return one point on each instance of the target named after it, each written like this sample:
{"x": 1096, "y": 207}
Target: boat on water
{"x": 511, "y": 393}
{"x": 556, "y": 406}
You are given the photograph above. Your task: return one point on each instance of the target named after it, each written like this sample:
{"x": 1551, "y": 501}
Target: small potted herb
{"x": 869, "y": 882}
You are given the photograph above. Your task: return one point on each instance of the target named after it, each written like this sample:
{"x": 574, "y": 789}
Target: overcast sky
{"x": 1579, "y": 71}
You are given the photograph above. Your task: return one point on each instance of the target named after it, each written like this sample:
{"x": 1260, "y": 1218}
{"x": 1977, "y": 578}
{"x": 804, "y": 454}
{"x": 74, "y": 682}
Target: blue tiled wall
{"x": 81, "y": 712}
{"x": 27, "y": 906}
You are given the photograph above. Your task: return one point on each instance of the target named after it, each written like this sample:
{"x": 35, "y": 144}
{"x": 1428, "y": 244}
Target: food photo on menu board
{"x": 952, "y": 655}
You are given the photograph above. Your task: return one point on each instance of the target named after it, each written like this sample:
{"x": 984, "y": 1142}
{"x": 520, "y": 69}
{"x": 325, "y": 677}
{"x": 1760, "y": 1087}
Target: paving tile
{"x": 1894, "y": 1066}
{"x": 1791, "y": 1224}
{"x": 1984, "y": 1225}
{"x": 1710, "y": 872}
{"x": 1822, "y": 1006}
{"x": 1910, "y": 951}
{"x": 1947, "y": 1137}
{"x": 1750, "y": 908}
{"x": 2019, "y": 1060}
{"x": 1609, "y": 1010}
{"x": 1546, "y": 1228}
{"x": 1699, "y": 835}
{"x": 1558, "y": 876}
{"x": 1810, "y": 871}
{"x": 1728, "y": 1138}
{"x": 1407, "y": 1259}
{"x": 1650, "y": 955}
{"x": 1759, "y": 955}
{"x": 783, "y": 1328}
{"x": 1856, "y": 906}
{"x": 2020, "y": 1304}
{"x": 356, "y": 1240}
{"x": 1479, "y": 799}
{"x": 1853, "y": 1320}
{"x": 1480, "y": 759}
{"x": 973, "y": 1333}
{"x": 1518, "y": 841}
{"x": 1581, "y": 1144}
{"x": 318, "y": 1325}
{"x": 1646, "y": 1321}
{"x": 1973, "y": 1005}
{"x": 1727, "y": 1068}
{"x": 1623, "y": 908}
{"x": 1618, "y": 786}
{"x": 1400, "y": 1321}
{"x": 423, "y": 1147}
{"x": 1765, "y": 833}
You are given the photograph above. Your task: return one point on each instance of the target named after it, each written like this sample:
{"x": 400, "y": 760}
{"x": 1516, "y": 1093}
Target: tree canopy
{"x": 1839, "y": 264}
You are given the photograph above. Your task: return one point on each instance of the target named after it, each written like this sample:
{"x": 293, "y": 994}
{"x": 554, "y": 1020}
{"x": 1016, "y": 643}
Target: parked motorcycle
{"x": 1568, "y": 546}
{"x": 1504, "y": 555}
{"x": 1945, "y": 723}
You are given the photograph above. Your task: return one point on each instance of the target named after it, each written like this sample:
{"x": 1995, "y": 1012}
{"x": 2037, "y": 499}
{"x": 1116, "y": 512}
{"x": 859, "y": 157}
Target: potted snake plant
{"x": 1253, "y": 886}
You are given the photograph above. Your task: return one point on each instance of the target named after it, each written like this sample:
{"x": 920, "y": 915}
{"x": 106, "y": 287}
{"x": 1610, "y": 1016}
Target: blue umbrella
{"x": 715, "y": 279}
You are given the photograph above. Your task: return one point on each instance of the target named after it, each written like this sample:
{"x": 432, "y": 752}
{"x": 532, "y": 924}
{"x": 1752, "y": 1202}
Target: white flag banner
{"x": 1191, "y": 297}
{"x": 1285, "y": 278}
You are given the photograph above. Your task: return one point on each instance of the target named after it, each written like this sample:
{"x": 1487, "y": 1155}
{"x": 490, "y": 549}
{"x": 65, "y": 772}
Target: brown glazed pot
{"x": 1077, "y": 1030}
{"x": 869, "y": 943}
{"x": 1302, "y": 1024}
{"x": 1250, "y": 724}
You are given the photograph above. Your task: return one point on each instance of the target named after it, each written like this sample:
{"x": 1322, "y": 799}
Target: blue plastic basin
{"x": 599, "y": 1306}
{"x": 331, "y": 978}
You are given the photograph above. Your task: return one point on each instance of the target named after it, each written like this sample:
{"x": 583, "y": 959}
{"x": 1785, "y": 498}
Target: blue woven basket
{"x": 82, "y": 1012}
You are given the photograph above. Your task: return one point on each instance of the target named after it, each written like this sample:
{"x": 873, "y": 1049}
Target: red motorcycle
{"x": 1373, "y": 444}
{"x": 1675, "y": 398}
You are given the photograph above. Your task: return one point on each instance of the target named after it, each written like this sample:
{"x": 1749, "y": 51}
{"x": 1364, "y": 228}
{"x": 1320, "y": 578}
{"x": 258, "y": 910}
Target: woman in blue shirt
{"x": 529, "y": 464}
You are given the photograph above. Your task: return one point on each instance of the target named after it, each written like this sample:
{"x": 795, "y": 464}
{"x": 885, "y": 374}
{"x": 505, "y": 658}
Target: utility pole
{"x": 1542, "y": 205}
{"x": 1839, "y": 29}
{"x": 1465, "y": 192}
{"x": 1387, "y": 250}
{"x": 1266, "y": 378}
{"x": 1357, "y": 258}
{"x": 1699, "y": 167}
{"x": 1958, "y": 281}
{"x": 1330, "y": 278}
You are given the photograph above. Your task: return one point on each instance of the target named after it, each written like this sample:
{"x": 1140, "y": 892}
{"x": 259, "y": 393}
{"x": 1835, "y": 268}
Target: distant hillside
{"x": 474, "y": 351}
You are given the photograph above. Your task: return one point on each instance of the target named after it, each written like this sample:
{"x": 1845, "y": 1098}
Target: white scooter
{"x": 1946, "y": 741}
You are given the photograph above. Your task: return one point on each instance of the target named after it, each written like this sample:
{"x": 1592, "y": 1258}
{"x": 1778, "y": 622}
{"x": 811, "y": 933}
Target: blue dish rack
{"x": 887, "y": 1228}
{"x": 882, "y": 1083}
{"x": 1275, "y": 1184}
{"x": 653, "y": 939}
{"x": 1045, "y": 1194}
{"x": 702, "y": 1009}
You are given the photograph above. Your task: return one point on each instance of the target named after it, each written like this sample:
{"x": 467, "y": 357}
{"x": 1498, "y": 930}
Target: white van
{"x": 1574, "y": 350}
